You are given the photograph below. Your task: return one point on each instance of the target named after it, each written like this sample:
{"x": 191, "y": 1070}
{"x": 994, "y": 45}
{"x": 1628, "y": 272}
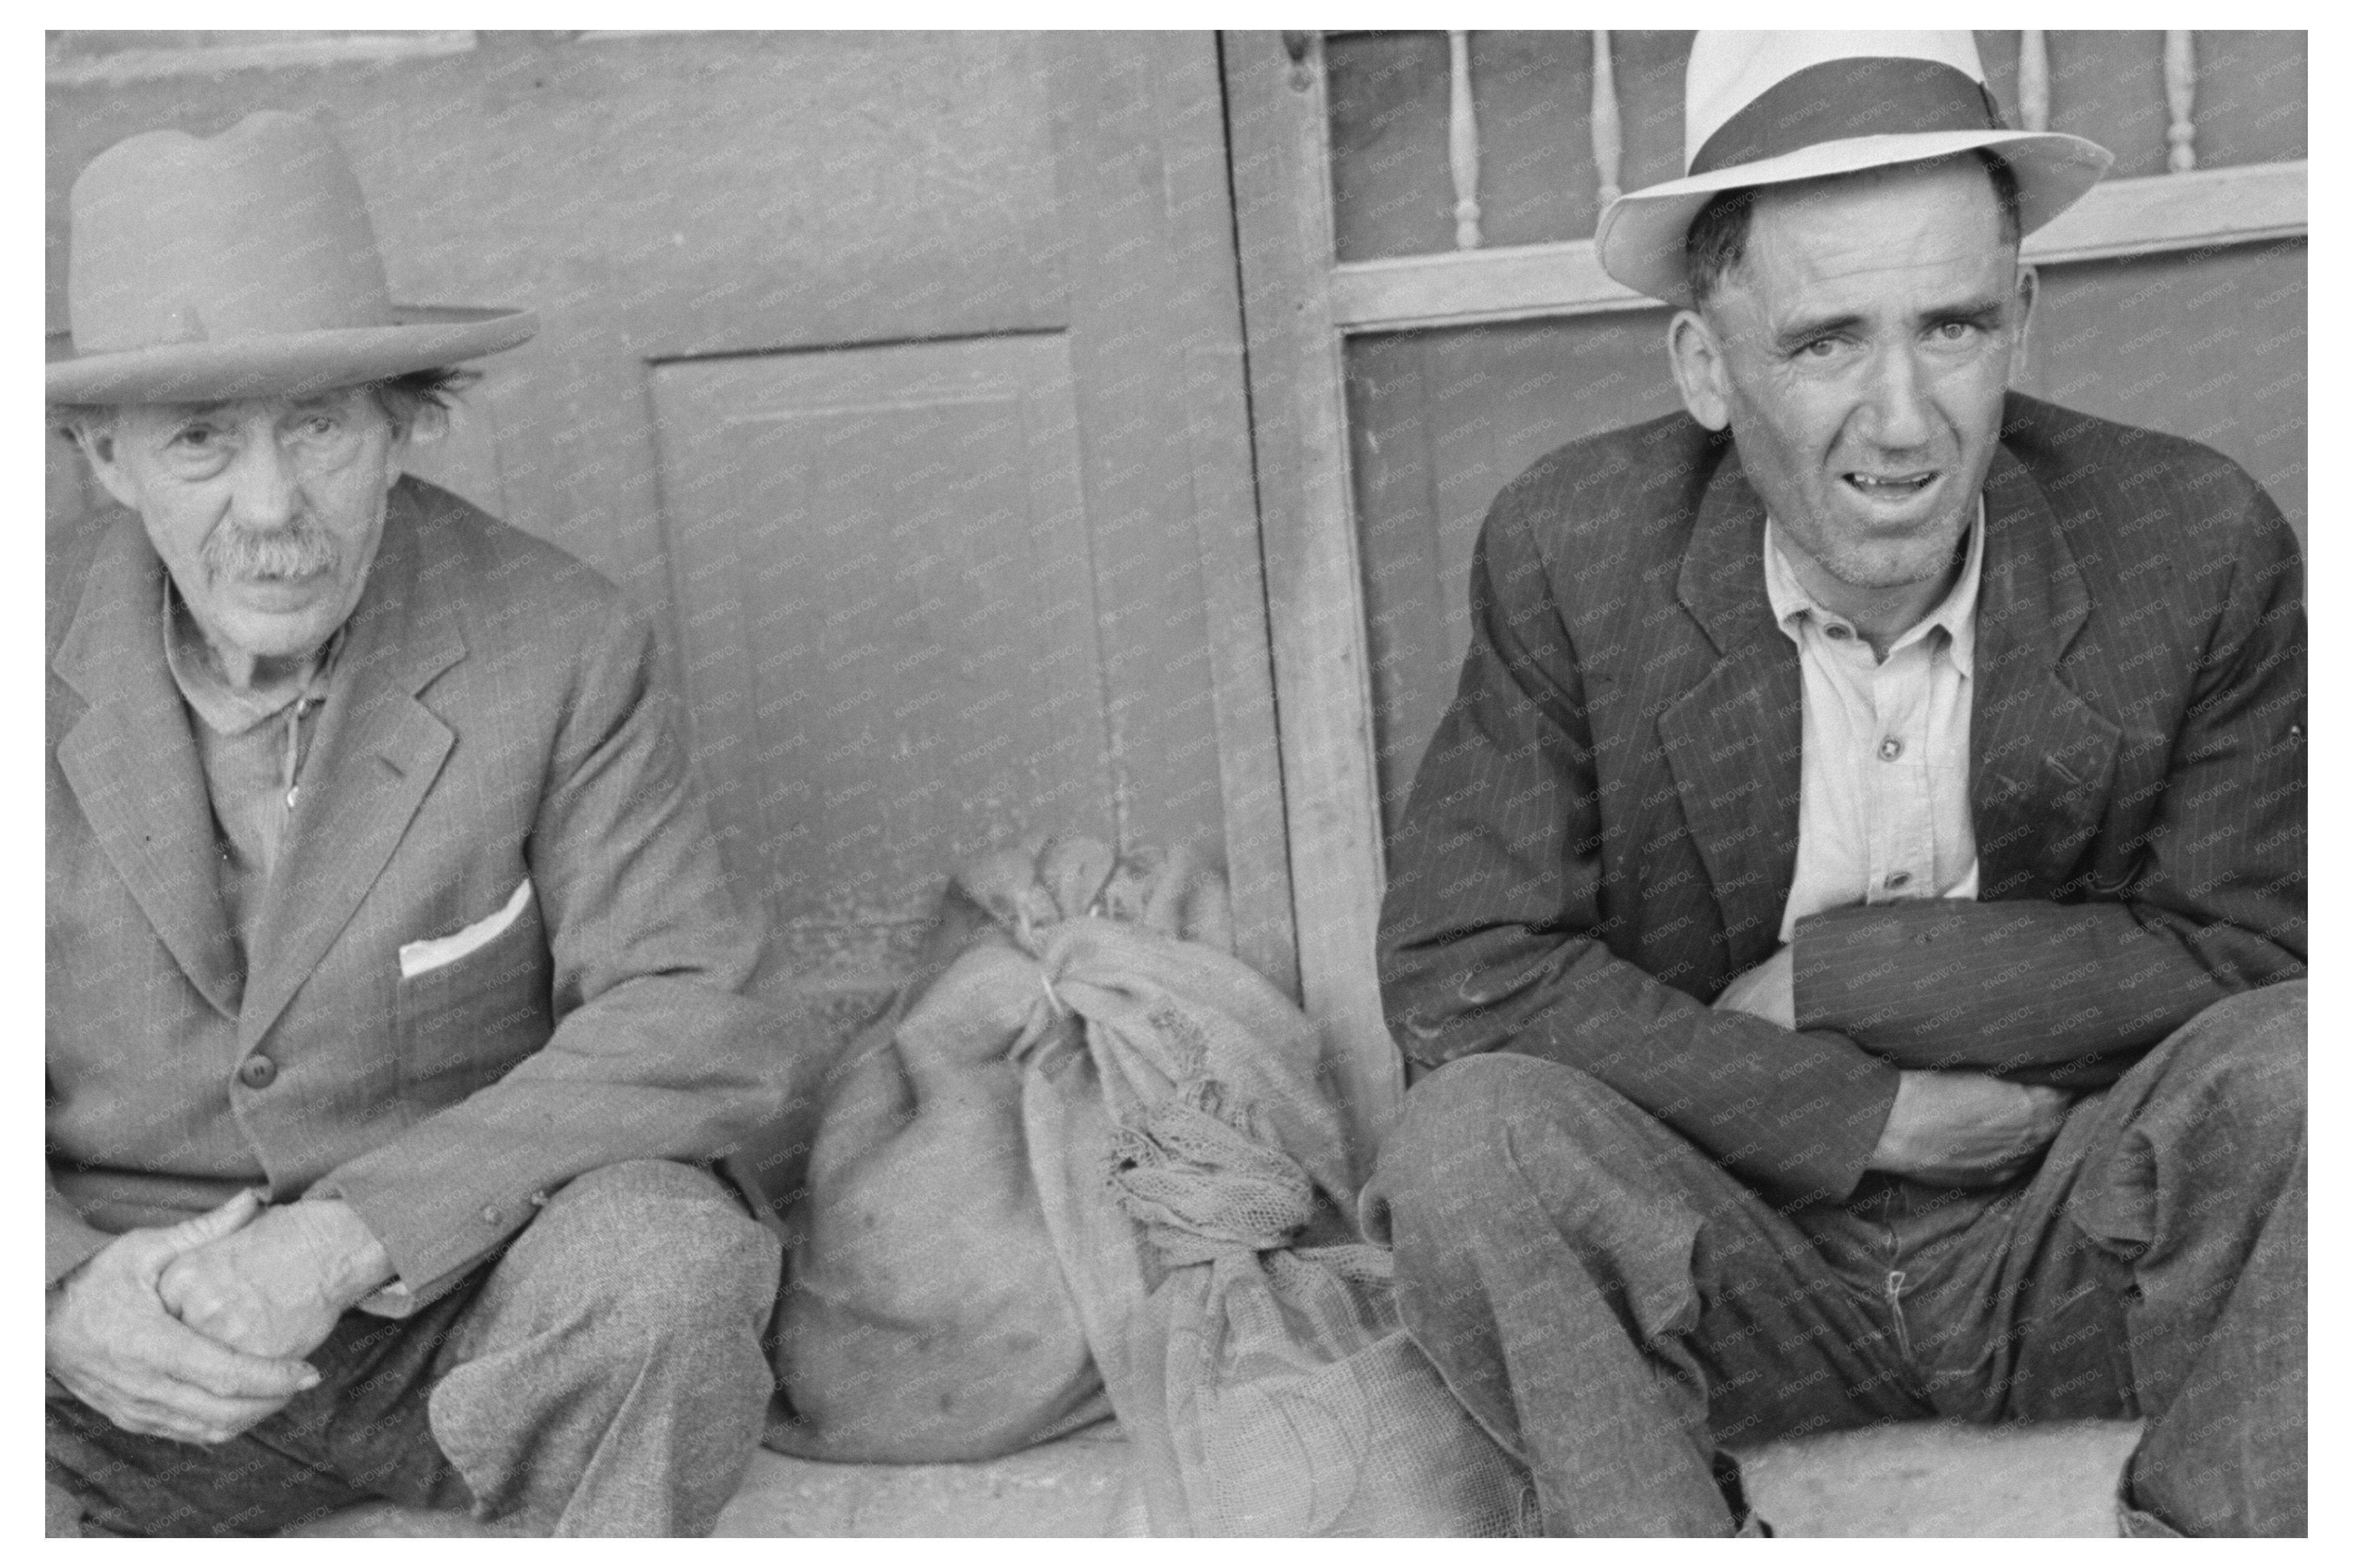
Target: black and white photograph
{"x": 966, "y": 783}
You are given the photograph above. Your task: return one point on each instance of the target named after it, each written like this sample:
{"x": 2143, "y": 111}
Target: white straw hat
{"x": 1765, "y": 108}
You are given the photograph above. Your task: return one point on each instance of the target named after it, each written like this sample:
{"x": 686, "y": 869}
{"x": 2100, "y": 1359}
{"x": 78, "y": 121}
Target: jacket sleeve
{"x": 1493, "y": 931}
{"x": 2069, "y": 993}
{"x": 656, "y": 1052}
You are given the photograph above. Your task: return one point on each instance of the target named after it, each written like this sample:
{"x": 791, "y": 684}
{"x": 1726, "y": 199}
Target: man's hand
{"x": 1967, "y": 1129}
{"x": 114, "y": 1345}
{"x": 275, "y": 1288}
{"x": 1768, "y": 992}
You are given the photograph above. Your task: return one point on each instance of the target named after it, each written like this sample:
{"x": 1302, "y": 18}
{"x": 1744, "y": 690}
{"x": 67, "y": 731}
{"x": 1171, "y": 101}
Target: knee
{"x": 1450, "y": 1151}
{"x": 664, "y": 1245}
{"x": 2247, "y": 1054}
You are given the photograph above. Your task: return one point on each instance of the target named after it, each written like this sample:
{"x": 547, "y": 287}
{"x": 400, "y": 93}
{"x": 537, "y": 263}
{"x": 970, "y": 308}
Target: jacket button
{"x": 256, "y": 1071}
{"x": 490, "y": 1216}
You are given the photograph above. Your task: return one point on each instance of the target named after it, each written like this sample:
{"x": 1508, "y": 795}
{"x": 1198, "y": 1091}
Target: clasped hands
{"x": 1956, "y": 1129}
{"x": 196, "y": 1331}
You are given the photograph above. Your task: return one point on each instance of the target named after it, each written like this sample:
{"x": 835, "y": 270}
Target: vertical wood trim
{"x": 1142, "y": 174}
{"x": 1249, "y": 763}
{"x": 1461, "y": 140}
{"x": 1283, "y": 199}
{"x": 1608, "y": 140}
{"x": 2033, "y": 79}
{"x": 2180, "y": 99}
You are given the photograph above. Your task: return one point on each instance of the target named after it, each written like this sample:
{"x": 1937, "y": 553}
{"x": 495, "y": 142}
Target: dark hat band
{"x": 1873, "y": 95}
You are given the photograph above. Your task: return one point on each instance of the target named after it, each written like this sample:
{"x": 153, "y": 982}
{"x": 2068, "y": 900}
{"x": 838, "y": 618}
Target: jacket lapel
{"x": 132, "y": 762}
{"x": 1733, "y": 740}
{"x": 2041, "y": 759}
{"x": 377, "y": 752}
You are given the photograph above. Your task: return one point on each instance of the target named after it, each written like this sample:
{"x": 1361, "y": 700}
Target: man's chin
{"x": 292, "y": 632}
{"x": 1879, "y": 573}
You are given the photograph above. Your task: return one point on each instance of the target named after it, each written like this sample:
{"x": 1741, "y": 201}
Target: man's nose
{"x": 1895, "y": 400}
{"x": 268, "y": 492}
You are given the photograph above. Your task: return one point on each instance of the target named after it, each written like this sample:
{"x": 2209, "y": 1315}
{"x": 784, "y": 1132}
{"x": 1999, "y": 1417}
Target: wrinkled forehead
{"x": 1887, "y": 233}
{"x": 1952, "y": 199}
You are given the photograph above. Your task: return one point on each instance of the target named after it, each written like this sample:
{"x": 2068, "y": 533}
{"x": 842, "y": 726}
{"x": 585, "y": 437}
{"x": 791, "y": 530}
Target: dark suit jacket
{"x": 1604, "y": 828}
{"x": 495, "y": 717}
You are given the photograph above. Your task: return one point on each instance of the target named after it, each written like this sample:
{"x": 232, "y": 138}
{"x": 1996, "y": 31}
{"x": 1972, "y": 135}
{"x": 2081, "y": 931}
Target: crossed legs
{"x": 1612, "y": 1306}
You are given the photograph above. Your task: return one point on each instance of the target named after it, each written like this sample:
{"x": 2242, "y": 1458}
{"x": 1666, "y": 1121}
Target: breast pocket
{"x": 473, "y": 1003}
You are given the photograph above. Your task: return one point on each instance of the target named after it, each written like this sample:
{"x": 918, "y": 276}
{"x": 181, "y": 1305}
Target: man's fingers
{"x": 204, "y": 1363}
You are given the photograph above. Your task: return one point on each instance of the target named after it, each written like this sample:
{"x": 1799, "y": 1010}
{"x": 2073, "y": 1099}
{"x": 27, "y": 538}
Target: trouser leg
{"x": 609, "y": 1379}
{"x": 2198, "y": 1190}
{"x": 1608, "y": 1302}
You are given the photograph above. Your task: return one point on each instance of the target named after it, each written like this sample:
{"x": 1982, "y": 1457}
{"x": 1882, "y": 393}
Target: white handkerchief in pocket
{"x": 419, "y": 957}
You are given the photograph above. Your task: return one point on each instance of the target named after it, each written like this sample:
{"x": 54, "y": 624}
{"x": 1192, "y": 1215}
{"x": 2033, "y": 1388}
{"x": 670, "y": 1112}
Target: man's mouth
{"x": 1890, "y": 486}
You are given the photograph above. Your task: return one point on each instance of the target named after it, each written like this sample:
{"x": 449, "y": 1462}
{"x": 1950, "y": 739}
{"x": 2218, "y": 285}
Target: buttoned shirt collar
{"x": 1956, "y": 615}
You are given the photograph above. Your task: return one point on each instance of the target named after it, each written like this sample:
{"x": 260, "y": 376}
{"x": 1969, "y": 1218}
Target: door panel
{"x": 881, "y": 572}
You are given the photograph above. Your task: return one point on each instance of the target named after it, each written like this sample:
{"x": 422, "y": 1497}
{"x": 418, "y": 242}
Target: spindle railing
{"x": 2185, "y": 208}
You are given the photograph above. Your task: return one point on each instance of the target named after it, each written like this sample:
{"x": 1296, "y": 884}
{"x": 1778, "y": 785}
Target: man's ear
{"x": 426, "y": 423}
{"x": 2029, "y": 290}
{"x": 1696, "y": 355}
{"x": 97, "y": 448}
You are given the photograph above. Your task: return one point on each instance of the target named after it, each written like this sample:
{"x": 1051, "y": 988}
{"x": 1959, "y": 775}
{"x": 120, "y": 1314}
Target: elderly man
{"x": 395, "y": 1012}
{"x": 1871, "y": 908}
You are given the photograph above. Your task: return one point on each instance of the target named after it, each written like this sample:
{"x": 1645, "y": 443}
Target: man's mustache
{"x": 300, "y": 549}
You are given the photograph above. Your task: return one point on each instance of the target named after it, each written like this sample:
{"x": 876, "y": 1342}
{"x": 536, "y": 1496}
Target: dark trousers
{"x": 1612, "y": 1306}
{"x": 603, "y": 1377}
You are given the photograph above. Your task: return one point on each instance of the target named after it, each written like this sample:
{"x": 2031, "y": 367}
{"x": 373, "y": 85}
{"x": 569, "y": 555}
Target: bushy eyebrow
{"x": 1804, "y": 329}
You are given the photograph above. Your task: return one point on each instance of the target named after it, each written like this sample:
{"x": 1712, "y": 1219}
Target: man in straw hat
{"x": 1865, "y": 915}
{"x": 395, "y": 1008}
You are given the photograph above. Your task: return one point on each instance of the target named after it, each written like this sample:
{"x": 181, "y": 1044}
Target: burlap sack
{"x": 922, "y": 1315}
{"x": 1101, "y": 1155}
{"x": 1197, "y": 1167}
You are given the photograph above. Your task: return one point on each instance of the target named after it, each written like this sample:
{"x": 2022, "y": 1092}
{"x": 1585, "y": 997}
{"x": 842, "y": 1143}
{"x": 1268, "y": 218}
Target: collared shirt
{"x": 1884, "y": 808}
{"x": 251, "y": 745}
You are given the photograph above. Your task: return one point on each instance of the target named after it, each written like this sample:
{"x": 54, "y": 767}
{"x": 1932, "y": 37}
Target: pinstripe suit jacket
{"x": 1604, "y": 828}
{"x": 501, "y": 720}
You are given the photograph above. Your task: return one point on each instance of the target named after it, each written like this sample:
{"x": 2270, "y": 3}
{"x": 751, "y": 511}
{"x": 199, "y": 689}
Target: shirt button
{"x": 1889, "y": 749}
{"x": 256, "y": 1071}
{"x": 1899, "y": 878}
{"x": 1837, "y": 632}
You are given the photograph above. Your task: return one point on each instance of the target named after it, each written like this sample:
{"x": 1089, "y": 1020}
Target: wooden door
{"x": 903, "y": 371}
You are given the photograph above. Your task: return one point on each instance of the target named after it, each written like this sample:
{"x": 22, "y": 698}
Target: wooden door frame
{"x": 1277, "y": 129}
{"x": 1140, "y": 150}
